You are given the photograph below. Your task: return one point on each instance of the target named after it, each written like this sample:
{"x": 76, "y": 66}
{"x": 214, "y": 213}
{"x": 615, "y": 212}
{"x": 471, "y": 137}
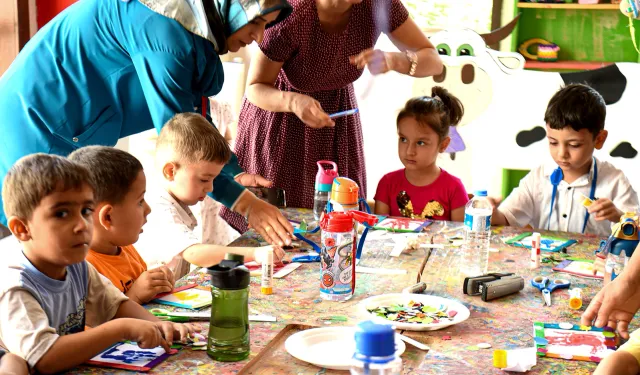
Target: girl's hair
{"x": 438, "y": 111}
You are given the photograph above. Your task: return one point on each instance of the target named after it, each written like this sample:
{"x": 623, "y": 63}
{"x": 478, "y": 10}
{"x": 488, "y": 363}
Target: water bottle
{"x": 375, "y": 352}
{"x": 324, "y": 181}
{"x": 337, "y": 256}
{"x": 477, "y": 222}
{"x": 228, "y": 339}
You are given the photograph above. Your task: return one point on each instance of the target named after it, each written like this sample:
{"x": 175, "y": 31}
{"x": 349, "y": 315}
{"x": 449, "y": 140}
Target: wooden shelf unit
{"x": 565, "y": 65}
{"x": 569, "y": 6}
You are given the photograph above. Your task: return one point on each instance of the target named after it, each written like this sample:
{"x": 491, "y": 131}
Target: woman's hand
{"x": 265, "y": 218}
{"x": 377, "y": 61}
{"x": 252, "y": 180}
{"x": 310, "y": 112}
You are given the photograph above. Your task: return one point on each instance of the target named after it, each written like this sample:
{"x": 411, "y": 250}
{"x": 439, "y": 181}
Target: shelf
{"x": 570, "y": 6}
{"x": 565, "y": 65}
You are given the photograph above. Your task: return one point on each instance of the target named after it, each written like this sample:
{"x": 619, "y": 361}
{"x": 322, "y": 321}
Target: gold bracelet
{"x": 413, "y": 59}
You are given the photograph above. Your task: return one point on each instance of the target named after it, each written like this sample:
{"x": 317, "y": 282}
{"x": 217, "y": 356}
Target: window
{"x": 434, "y": 15}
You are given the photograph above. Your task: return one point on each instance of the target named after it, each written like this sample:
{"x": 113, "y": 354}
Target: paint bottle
{"x": 535, "y": 251}
{"x": 228, "y": 339}
{"x": 375, "y": 352}
{"x": 575, "y": 298}
{"x": 267, "y": 273}
{"x": 500, "y": 358}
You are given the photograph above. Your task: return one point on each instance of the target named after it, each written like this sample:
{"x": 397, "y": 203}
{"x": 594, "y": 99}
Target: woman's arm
{"x": 262, "y": 92}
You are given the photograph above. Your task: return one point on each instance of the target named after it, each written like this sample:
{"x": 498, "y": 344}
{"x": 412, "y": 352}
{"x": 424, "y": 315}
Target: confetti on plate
{"x": 415, "y": 312}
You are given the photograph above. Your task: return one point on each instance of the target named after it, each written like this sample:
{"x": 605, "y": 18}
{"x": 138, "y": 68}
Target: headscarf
{"x": 216, "y": 20}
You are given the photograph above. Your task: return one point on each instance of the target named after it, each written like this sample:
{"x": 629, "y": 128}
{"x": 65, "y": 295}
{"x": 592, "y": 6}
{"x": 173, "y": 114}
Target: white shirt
{"x": 172, "y": 227}
{"x": 530, "y": 202}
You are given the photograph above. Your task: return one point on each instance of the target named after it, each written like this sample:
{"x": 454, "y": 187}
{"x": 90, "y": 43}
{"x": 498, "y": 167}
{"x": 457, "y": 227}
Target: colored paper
{"x": 130, "y": 356}
{"x": 576, "y": 343}
{"x": 193, "y": 298}
{"x": 578, "y": 268}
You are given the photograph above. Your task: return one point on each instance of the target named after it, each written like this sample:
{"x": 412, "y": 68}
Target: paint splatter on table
{"x": 506, "y": 323}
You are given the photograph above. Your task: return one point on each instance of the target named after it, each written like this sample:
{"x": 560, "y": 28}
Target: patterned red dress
{"x": 279, "y": 146}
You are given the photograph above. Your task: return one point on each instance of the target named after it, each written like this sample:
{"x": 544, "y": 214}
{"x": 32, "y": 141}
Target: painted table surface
{"x": 506, "y": 323}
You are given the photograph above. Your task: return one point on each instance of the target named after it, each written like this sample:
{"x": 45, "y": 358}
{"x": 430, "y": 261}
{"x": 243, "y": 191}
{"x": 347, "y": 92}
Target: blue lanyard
{"x": 556, "y": 177}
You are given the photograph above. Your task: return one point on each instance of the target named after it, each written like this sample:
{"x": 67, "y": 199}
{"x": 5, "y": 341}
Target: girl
{"x": 422, "y": 190}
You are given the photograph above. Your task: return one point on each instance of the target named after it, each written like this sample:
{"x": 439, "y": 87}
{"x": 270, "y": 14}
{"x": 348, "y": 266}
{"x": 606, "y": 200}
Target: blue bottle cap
{"x": 480, "y": 193}
{"x": 375, "y": 340}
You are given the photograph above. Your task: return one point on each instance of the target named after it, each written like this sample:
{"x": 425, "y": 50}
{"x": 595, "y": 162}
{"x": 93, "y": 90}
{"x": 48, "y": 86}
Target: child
{"x": 120, "y": 212}
{"x": 575, "y": 128}
{"x": 47, "y": 291}
{"x": 422, "y": 190}
{"x": 11, "y": 364}
{"x": 190, "y": 153}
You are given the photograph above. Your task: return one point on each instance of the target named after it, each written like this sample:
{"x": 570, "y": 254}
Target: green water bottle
{"x": 228, "y": 339}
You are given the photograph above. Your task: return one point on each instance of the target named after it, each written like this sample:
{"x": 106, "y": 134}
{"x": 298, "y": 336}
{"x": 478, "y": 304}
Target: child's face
{"x": 192, "y": 182}
{"x": 572, "y": 150}
{"x": 127, "y": 217}
{"x": 59, "y": 231}
{"x": 418, "y": 146}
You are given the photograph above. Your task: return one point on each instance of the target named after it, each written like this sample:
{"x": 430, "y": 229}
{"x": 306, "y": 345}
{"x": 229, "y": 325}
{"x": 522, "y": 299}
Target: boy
{"x": 119, "y": 215}
{"x": 190, "y": 153}
{"x": 575, "y": 120}
{"x": 11, "y": 364}
{"x": 47, "y": 291}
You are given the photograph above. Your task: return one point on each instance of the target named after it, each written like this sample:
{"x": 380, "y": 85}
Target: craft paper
{"x": 575, "y": 343}
{"x": 193, "y": 298}
{"x": 130, "y": 356}
{"x": 547, "y": 243}
{"x": 578, "y": 268}
{"x": 399, "y": 224}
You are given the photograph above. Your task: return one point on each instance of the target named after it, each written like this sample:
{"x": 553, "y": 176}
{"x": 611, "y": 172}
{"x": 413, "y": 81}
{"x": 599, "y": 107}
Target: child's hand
{"x": 278, "y": 255}
{"x": 495, "y": 202}
{"x": 146, "y": 334}
{"x": 598, "y": 265}
{"x": 168, "y": 273}
{"x": 175, "y": 331}
{"x": 149, "y": 284}
{"x": 604, "y": 209}
{"x": 260, "y": 254}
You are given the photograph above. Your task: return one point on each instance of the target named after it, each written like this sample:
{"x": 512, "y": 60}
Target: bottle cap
{"x": 337, "y": 222}
{"x": 230, "y": 274}
{"x": 500, "y": 358}
{"x": 324, "y": 177}
{"x": 266, "y": 290}
{"x": 374, "y": 340}
{"x": 344, "y": 191}
{"x": 480, "y": 193}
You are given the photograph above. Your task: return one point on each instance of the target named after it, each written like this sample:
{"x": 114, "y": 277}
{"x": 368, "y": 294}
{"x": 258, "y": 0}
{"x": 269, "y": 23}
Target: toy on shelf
{"x": 630, "y": 8}
{"x": 547, "y": 51}
{"x": 619, "y": 247}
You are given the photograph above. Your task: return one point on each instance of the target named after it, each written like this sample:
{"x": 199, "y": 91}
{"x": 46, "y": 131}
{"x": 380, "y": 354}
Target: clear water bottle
{"x": 477, "y": 222}
{"x": 324, "y": 181}
{"x": 228, "y": 339}
{"x": 375, "y": 352}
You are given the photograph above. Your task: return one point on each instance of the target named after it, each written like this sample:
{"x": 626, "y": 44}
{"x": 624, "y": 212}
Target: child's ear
{"x": 169, "y": 171}
{"x": 444, "y": 144}
{"x": 104, "y": 216}
{"x": 600, "y": 138}
{"x": 19, "y": 228}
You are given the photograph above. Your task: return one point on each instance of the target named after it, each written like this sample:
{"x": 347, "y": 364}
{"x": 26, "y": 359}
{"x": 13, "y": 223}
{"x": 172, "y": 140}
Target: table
{"x": 506, "y": 323}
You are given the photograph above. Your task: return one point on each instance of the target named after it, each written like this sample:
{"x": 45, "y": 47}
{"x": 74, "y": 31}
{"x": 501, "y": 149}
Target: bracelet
{"x": 413, "y": 59}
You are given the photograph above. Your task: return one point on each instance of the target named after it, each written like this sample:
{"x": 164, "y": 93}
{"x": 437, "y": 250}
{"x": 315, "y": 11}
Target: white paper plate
{"x": 404, "y": 299}
{"x": 329, "y": 347}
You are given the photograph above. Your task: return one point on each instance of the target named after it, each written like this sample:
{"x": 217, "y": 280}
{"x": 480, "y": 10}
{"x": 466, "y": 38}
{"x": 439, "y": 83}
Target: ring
{"x": 268, "y": 228}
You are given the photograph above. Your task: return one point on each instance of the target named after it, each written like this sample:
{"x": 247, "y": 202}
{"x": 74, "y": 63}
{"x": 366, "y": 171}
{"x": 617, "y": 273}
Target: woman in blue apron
{"x": 105, "y": 69}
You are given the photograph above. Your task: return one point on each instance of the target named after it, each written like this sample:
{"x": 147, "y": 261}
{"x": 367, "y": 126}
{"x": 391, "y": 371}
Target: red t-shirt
{"x": 433, "y": 201}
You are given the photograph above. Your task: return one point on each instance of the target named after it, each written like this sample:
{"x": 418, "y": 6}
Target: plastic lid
{"x": 230, "y": 274}
{"x": 336, "y": 221}
{"x": 344, "y": 191}
{"x": 375, "y": 340}
{"x": 480, "y": 193}
{"x": 326, "y": 176}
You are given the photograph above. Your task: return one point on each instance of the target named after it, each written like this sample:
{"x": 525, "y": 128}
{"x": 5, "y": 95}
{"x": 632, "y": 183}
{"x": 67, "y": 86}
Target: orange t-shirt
{"x": 122, "y": 269}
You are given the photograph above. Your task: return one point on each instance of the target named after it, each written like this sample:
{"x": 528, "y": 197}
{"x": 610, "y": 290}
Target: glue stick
{"x": 500, "y": 358}
{"x": 267, "y": 273}
{"x": 575, "y": 298}
{"x": 535, "y": 251}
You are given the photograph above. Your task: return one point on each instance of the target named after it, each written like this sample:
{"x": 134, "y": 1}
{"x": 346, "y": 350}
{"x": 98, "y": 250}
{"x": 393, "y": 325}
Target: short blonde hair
{"x": 34, "y": 177}
{"x": 191, "y": 138}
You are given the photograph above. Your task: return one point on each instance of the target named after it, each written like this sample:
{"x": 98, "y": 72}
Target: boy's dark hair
{"x": 192, "y": 139}
{"x": 113, "y": 171}
{"x": 578, "y": 106}
{"x": 439, "y": 111}
{"x": 35, "y": 176}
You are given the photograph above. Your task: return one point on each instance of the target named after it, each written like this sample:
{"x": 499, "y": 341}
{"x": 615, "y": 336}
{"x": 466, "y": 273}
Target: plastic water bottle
{"x": 375, "y": 352}
{"x": 228, "y": 339}
{"x": 324, "y": 181}
{"x": 477, "y": 222}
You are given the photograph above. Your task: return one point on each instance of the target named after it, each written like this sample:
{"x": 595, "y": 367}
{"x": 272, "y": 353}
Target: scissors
{"x": 306, "y": 258}
{"x": 546, "y": 286}
{"x": 165, "y": 315}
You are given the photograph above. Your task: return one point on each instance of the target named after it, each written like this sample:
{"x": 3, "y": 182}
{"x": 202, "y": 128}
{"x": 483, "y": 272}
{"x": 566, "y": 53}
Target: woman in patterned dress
{"x": 304, "y": 70}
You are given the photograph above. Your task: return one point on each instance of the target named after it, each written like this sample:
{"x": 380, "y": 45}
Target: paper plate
{"x": 404, "y": 299}
{"x": 330, "y": 347}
